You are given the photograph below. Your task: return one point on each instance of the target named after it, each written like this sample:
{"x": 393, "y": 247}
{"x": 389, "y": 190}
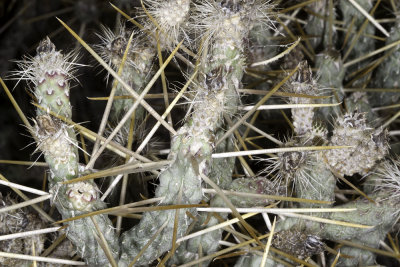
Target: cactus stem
{"x": 122, "y": 82}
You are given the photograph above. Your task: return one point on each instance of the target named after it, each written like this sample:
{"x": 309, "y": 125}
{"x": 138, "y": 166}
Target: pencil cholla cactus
{"x": 215, "y": 95}
{"x": 48, "y": 73}
{"x": 225, "y": 25}
{"x": 217, "y": 33}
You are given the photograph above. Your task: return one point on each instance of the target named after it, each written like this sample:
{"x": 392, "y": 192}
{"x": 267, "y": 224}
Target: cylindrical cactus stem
{"x": 296, "y": 166}
{"x": 385, "y": 180}
{"x": 331, "y": 75}
{"x": 222, "y": 169}
{"x": 388, "y": 71}
{"x": 262, "y": 45}
{"x": 191, "y": 152}
{"x": 77, "y": 199}
{"x": 136, "y": 72}
{"x": 364, "y": 44}
{"x": 361, "y": 256}
{"x": 209, "y": 241}
{"x": 58, "y": 143}
{"x": 318, "y": 28}
{"x": 221, "y": 174}
{"x": 302, "y": 83}
{"x": 224, "y": 70}
{"x": 321, "y": 182}
{"x": 311, "y": 178}
{"x": 50, "y": 74}
{"x": 380, "y": 215}
{"x": 49, "y": 71}
{"x": 254, "y": 185}
{"x": 219, "y": 77}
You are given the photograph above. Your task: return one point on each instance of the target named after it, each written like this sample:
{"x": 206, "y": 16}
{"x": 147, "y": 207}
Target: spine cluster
{"x": 368, "y": 145}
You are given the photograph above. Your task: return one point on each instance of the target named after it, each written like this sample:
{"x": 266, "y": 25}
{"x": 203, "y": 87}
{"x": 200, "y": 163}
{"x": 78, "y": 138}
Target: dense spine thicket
{"x": 218, "y": 41}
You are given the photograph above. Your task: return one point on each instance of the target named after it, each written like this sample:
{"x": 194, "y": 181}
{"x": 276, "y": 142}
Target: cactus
{"x": 391, "y": 68}
{"x": 49, "y": 71}
{"x": 215, "y": 131}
